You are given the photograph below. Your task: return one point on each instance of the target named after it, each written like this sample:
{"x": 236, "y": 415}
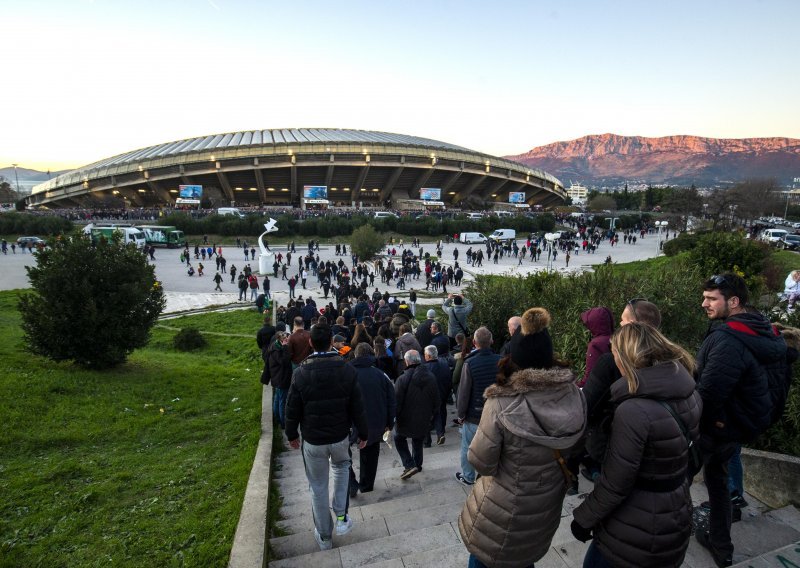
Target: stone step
{"x": 379, "y": 550}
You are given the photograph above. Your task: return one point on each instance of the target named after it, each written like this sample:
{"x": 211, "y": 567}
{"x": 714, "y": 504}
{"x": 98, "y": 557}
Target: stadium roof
{"x": 261, "y": 150}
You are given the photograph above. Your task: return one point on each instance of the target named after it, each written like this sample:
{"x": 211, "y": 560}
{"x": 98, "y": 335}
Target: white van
{"x": 475, "y": 216}
{"x": 773, "y": 236}
{"x": 503, "y": 234}
{"x": 472, "y": 238}
{"x": 503, "y": 214}
{"x": 224, "y": 211}
{"x": 384, "y": 215}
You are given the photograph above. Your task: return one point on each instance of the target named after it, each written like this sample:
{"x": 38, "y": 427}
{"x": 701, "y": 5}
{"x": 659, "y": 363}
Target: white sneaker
{"x": 323, "y": 544}
{"x": 344, "y": 526}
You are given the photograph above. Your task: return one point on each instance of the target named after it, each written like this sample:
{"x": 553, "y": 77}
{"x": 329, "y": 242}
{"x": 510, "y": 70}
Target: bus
{"x": 163, "y": 236}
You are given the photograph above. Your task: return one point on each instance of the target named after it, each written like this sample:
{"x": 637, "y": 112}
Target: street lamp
{"x": 659, "y": 225}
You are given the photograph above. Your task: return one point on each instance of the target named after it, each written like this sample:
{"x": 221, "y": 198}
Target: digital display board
{"x": 430, "y": 193}
{"x": 516, "y": 197}
{"x": 190, "y": 191}
{"x": 315, "y": 191}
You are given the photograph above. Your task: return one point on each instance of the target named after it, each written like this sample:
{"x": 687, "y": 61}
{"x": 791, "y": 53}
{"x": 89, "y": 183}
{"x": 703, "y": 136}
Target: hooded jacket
{"x": 514, "y": 509}
{"x": 738, "y": 363}
{"x": 636, "y": 523}
{"x": 600, "y": 323}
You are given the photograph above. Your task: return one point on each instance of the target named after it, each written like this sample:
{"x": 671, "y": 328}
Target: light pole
{"x": 786, "y": 210}
{"x": 16, "y": 177}
{"x": 659, "y": 225}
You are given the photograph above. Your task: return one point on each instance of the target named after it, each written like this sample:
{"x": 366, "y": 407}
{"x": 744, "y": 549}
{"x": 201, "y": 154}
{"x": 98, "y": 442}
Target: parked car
{"x": 28, "y": 241}
{"x": 773, "y": 236}
{"x": 790, "y": 242}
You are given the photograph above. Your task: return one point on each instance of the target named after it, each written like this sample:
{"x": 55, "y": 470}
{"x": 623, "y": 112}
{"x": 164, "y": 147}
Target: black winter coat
{"x": 597, "y": 391}
{"x": 280, "y": 365}
{"x": 738, "y": 364}
{"x": 635, "y": 525}
{"x": 423, "y": 334}
{"x": 417, "y": 400}
{"x": 377, "y": 392}
{"x": 324, "y": 401}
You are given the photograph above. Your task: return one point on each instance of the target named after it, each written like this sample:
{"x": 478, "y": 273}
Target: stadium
{"x": 303, "y": 168}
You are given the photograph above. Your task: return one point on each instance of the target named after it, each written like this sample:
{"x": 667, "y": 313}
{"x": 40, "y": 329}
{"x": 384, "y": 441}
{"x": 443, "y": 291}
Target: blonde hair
{"x": 639, "y": 345}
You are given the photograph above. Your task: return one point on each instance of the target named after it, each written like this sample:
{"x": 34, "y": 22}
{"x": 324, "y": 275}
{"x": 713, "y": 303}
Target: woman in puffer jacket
{"x": 514, "y": 509}
{"x": 640, "y": 511}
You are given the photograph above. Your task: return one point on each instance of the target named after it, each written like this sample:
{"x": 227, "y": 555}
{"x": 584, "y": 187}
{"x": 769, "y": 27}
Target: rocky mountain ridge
{"x": 600, "y": 159}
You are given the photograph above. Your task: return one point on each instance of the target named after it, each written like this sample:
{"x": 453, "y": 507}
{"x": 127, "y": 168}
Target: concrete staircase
{"x": 404, "y": 524}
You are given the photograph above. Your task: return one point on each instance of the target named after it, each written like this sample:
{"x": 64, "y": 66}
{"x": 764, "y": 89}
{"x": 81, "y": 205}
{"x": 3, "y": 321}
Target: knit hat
{"x": 431, "y": 314}
{"x": 338, "y": 338}
{"x": 280, "y": 326}
{"x": 533, "y": 347}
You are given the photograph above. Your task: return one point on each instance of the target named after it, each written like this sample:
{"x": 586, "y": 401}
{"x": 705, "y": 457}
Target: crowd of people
{"x": 642, "y": 420}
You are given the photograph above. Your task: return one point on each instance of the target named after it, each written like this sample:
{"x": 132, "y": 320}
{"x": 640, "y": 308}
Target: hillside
{"x": 607, "y": 159}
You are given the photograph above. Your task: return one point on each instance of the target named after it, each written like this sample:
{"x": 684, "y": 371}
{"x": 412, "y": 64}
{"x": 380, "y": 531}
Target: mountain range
{"x": 603, "y": 160}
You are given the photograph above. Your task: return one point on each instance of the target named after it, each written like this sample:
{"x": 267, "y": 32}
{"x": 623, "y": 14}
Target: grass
{"x": 143, "y": 465}
{"x": 641, "y": 268}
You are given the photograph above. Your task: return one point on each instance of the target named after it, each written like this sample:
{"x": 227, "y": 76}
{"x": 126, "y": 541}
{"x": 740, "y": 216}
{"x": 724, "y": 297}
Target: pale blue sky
{"x": 88, "y": 79}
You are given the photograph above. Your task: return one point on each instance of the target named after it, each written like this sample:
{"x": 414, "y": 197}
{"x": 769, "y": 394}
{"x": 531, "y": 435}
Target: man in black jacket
{"x": 417, "y": 401}
{"x": 377, "y": 392}
{"x": 325, "y": 401}
{"x": 424, "y": 334}
{"x": 263, "y": 340}
{"x": 734, "y": 365}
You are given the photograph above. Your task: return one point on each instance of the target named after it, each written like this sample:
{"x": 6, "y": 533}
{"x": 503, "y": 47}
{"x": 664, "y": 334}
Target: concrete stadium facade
{"x": 271, "y": 167}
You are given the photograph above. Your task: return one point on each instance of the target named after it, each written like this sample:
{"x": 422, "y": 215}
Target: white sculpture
{"x": 263, "y": 259}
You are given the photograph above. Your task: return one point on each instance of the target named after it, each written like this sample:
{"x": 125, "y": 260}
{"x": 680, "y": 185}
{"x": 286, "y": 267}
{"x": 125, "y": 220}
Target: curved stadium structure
{"x": 271, "y": 167}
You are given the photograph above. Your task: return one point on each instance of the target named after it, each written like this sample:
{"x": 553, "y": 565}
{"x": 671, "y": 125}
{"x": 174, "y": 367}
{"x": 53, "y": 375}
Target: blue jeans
{"x": 594, "y": 558}
{"x": 475, "y": 563}
{"x": 318, "y": 460}
{"x": 279, "y": 406}
{"x": 468, "y": 431}
{"x": 736, "y": 473}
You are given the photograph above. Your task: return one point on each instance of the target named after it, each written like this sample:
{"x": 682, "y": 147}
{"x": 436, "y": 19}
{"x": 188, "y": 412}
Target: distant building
{"x": 578, "y": 193}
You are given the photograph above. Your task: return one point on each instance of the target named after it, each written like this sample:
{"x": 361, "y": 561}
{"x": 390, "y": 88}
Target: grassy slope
{"x": 142, "y": 465}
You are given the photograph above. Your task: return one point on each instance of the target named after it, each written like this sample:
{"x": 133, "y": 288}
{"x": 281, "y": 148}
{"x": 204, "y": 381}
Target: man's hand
{"x": 361, "y": 444}
{"x": 294, "y": 444}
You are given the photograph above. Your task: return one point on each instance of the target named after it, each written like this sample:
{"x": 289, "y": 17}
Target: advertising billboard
{"x": 430, "y": 193}
{"x": 315, "y": 191}
{"x": 516, "y": 197}
{"x": 190, "y": 191}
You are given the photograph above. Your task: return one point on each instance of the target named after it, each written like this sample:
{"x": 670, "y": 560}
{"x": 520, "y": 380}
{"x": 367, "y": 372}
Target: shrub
{"x": 90, "y": 304}
{"x": 189, "y": 339}
{"x": 723, "y": 252}
{"x": 27, "y": 224}
{"x": 683, "y": 242}
{"x": 676, "y": 292}
{"x": 365, "y": 242}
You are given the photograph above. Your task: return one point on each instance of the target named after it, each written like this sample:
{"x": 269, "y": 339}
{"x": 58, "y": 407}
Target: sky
{"x": 83, "y": 80}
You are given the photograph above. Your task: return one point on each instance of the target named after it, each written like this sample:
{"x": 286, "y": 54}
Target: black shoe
{"x": 440, "y": 440}
{"x": 737, "y": 502}
{"x": 410, "y": 472}
{"x": 720, "y": 560}
{"x": 463, "y": 480}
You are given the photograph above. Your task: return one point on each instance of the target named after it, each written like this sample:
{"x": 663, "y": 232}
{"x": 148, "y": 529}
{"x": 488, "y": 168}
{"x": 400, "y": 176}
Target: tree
{"x": 90, "y": 304}
{"x": 602, "y": 203}
{"x": 365, "y": 242}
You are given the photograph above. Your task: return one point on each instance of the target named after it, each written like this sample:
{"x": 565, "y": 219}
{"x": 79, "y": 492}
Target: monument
{"x": 263, "y": 259}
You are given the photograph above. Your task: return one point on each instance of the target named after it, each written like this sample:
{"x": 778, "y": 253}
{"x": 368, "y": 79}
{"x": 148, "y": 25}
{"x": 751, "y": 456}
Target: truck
{"x": 129, "y": 235}
{"x": 472, "y": 238}
{"x": 164, "y": 236}
{"x": 503, "y": 234}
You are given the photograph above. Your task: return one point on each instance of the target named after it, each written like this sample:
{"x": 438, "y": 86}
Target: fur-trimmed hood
{"x": 535, "y": 320}
{"x": 791, "y": 335}
{"x": 541, "y": 405}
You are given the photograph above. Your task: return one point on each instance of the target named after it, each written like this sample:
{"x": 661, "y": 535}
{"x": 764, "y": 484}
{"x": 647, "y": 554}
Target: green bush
{"x": 683, "y": 242}
{"x": 676, "y": 292}
{"x": 90, "y": 304}
{"x": 14, "y": 223}
{"x": 724, "y": 252}
{"x": 365, "y": 242}
{"x": 189, "y": 339}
